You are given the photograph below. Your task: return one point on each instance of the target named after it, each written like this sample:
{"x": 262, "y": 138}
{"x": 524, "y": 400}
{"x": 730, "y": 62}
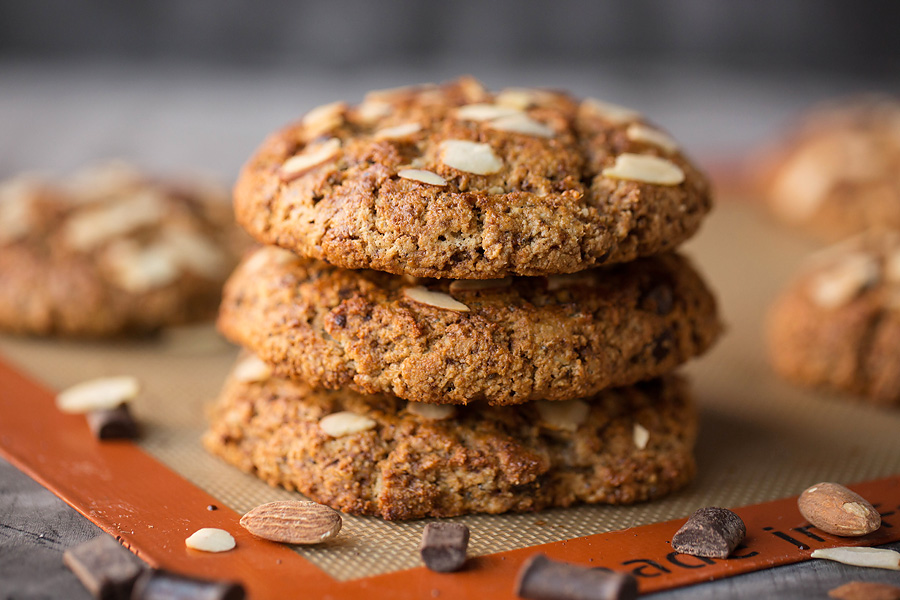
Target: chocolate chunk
{"x": 710, "y": 532}
{"x": 112, "y": 424}
{"x": 444, "y": 546}
{"x": 162, "y": 585}
{"x": 104, "y": 567}
{"x": 543, "y": 579}
{"x": 659, "y": 299}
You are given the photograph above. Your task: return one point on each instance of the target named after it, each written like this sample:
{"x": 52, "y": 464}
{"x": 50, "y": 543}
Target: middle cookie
{"x": 503, "y": 341}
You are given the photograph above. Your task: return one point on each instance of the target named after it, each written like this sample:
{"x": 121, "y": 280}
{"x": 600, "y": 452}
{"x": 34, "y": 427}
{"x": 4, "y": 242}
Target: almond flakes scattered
{"x": 436, "y": 299}
{"x": 641, "y": 436}
{"x": 608, "y": 111}
{"x": 564, "y": 415}
{"x": 310, "y": 158}
{"x": 422, "y": 176}
{"x": 344, "y": 423}
{"x": 98, "y": 394}
{"x": 470, "y": 157}
{"x": 637, "y": 132}
{"x": 252, "y": 370}
{"x": 398, "y": 131}
{"x": 523, "y": 124}
{"x": 210, "y": 539}
{"x": 645, "y": 168}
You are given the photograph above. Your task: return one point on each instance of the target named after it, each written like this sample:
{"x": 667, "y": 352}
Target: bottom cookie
{"x": 380, "y": 455}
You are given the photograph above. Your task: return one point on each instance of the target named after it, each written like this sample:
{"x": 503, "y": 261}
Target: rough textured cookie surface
{"x": 453, "y": 181}
{"x": 838, "y": 325}
{"x": 379, "y": 455}
{"x": 502, "y": 341}
{"x": 838, "y": 172}
{"x": 108, "y": 251}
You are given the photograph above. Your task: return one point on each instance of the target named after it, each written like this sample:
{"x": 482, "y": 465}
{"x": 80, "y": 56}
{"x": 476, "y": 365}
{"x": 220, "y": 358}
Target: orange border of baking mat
{"x": 152, "y": 510}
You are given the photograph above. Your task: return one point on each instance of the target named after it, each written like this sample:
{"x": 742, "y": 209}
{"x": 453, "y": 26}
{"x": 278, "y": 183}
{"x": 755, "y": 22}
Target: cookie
{"x": 838, "y": 325}
{"x": 380, "y": 455}
{"x": 838, "y": 172}
{"x": 109, "y": 252}
{"x": 503, "y": 341}
{"x": 453, "y": 181}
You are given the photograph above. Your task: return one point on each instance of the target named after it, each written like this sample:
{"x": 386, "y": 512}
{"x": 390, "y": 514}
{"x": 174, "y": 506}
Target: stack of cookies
{"x": 467, "y": 302}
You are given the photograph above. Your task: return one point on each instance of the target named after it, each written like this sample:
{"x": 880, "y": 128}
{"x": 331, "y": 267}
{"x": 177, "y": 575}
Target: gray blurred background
{"x": 180, "y": 84}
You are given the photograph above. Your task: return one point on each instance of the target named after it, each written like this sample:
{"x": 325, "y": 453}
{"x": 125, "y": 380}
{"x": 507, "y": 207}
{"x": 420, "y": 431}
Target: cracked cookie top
{"x": 453, "y": 181}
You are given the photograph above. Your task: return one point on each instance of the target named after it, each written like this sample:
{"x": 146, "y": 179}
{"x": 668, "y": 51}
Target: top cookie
{"x": 109, "y": 251}
{"x": 838, "y": 172}
{"x": 453, "y": 181}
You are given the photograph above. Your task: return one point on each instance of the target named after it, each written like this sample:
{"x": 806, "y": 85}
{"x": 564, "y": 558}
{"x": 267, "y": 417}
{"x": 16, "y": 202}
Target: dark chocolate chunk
{"x": 162, "y": 585}
{"x": 444, "y": 546}
{"x": 112, "y": 424}
{"x": 710, "y": 532}
{"x": 104, "y": 567}
{"x": 543, "y": 579}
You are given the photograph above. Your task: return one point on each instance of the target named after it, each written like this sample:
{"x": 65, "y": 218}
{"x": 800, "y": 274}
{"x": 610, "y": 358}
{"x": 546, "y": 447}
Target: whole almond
{"x": 293, "y": 522}
{"x": 834, "y": 509}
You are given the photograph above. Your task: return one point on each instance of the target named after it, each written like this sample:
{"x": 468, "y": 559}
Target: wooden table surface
{"x": 181, "y": 119}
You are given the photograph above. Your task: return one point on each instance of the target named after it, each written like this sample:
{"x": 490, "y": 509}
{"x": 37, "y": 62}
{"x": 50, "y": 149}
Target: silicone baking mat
{"x": 760, "y": 439}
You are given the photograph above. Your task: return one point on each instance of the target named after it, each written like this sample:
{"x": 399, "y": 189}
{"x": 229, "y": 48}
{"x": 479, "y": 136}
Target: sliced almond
{"x": 138, "y": 270}
{"x": 608, "y": 111}
{"x": 398, "y": 131}
{"x": 436, "y": 299}
{"x": 196, "y": 252}
{"x": 843, "y": 281}
{"x": 98, "y": 394}
{"x": 210, "y": 539}
{"x": 92, "y": 227}
{"x": 252, "y": 369}
{"x": 638, "y": 132}
{"x": 373, "y": 110}
{"x": 485, "y": 112}
{"x": 103, "y": 181}
{"x": 518, "y": 98}
{"x": 646, "y": 169}
{"x": 323, "y": 119}
{"x": 432, "y": 412}
{"x": 471, "y": 157}
{"x": 880, "y": 558}
{"x": 473, "y": 285}
{"x": 344, "y": 423}
{"x": 641, "y": 436}
{"x": 566, "y": 415}
{"x": 521, "y": 123}
{"x": 293, "y": 522}
{"x": 309, "y": 159}
{"x": 422, "y": 176}
{"x": 16, "y": 201}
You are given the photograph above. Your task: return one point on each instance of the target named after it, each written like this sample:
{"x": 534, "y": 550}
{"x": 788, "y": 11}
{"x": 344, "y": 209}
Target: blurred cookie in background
{"x": 837, "y": 326}
{"x": 111, "y": 251}
{"x": 837, "y": 172}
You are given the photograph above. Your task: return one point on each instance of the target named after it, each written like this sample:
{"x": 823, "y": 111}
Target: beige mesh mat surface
{"x": 760, "y": 438}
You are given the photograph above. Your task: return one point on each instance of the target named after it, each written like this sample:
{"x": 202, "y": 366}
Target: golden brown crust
{"x": 481, "y": 459}
{"x": 837, "y": 326}
{"x": 109, "y": 252}
{"x": 550, "y": 338}
{"x": 547, "y": 209}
